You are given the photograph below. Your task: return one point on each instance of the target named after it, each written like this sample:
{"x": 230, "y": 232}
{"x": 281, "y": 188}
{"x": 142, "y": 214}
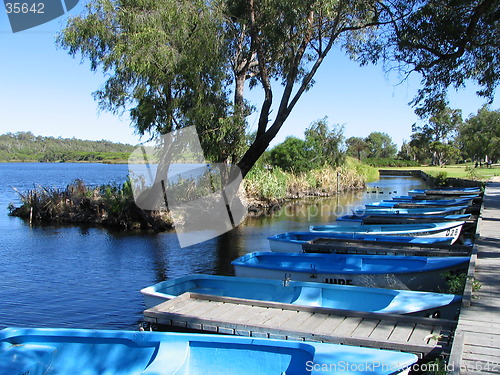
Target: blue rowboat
{"x": 412, "y": 211}
{"x": 421, "y": 203}
{"x": 38, "y": 351}
{"x": 419, "y": 198}
{"x": 446, "y": 229}
{"x": 446, "y": 191}
{"x": 395, "y": 217}
{"x": 292, "y": 242}
{"x": 379, "y": 271}
{"x": 344, "y": 297}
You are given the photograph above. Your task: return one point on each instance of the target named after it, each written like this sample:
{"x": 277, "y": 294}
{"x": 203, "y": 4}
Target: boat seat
{"x": 309, "y": 296}
{"x": 26, "y": 359}
{"x": 170, "y": 357}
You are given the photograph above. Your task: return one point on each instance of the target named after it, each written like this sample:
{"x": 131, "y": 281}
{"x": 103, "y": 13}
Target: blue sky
{"x": 47, "y": 92}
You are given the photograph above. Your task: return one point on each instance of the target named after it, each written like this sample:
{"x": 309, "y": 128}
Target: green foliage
{"x": 380, "y": 145}
{"x": 274, "y": 183}
{"x": 388, "y": 162}
{"x": 376, "y": 145}
{"x": 434, "y": 142}
{"x": 479, "y": 136}
{"x": 178, "y": 63}
{"x": 450, "y": 42}
{"x": 355, "y": 147}
{"x": 267, "y": 184}
{"x": 440, "y": 178}
{"x": 165, "y": 60}
{"x": 117, "y": 198}
{"x": 444, "y": 153}
{"x": 321, "y": 147}
{"x": 325, "y": 143}
{"x": 456, "y": 283}
{"x": 24, "y": 146}
{"x": 292, "y": 155}
{"x": 471, "y": 172}
{"x": 367, "y": 172}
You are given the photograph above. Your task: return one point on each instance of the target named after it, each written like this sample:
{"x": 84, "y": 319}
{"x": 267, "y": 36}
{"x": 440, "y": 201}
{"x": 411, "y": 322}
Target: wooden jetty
{"x": 476, "y": 346}
{"x": 427, "y": 337}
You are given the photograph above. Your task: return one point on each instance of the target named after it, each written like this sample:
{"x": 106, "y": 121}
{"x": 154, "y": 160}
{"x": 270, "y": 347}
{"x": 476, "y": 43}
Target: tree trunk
{"x": 258, "y": 147}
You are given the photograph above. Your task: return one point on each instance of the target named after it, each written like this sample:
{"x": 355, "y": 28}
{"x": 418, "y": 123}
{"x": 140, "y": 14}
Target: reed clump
{"x": 78, "y": 203}
{"x": 114, "y": 205}
{"x": 270, "y": 186}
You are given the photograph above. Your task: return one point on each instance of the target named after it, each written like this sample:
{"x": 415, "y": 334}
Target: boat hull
{"x": 72, "y": 351}
{"x": 431, "y": 281}
{"x": 413, "y": 211}
{"x": 446, "y": 191}
{"x": 402, "y": 218}
{"x": 419, "y": 204}
{"x": 393, "y": 272}
{"x": 427, "y": 230}
{"x": 293, "y": 242}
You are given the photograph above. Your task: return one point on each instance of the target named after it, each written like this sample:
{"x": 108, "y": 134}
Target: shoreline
{"x": 114, "y": 207}
{"x": 109, "y": 161}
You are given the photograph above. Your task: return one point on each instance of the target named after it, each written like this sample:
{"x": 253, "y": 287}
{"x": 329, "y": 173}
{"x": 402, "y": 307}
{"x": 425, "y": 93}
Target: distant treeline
{"x": 25, "y": 146}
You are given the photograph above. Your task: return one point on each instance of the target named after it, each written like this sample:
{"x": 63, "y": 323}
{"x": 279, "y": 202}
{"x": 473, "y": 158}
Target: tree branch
{"x": 461, "y": 45}
{"x": 264, "y": 75}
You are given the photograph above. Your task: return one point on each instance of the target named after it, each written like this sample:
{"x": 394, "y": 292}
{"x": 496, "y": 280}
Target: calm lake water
{"x": 90, "y": 277}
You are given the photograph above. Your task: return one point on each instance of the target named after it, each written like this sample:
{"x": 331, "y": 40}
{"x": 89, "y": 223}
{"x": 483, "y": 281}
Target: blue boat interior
{"x": 63, "y": 355}
{"x": 67, "y": 352}
{"x": 295, "y": 293}
{"x": 302, "y": 237}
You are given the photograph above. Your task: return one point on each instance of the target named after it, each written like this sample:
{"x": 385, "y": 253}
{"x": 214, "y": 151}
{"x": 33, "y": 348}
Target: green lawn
{"x": 458, "y": 171}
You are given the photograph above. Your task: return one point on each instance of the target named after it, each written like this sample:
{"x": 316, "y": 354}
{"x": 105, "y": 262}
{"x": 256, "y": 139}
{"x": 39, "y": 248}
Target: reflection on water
{"x": 91, "y": 277}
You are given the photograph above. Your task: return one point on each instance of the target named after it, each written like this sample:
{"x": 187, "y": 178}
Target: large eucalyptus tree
{"x": 175, "y": 63}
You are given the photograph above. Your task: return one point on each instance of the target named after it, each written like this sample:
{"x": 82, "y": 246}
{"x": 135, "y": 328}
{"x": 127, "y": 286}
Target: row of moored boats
{"x": 385, "y": 284}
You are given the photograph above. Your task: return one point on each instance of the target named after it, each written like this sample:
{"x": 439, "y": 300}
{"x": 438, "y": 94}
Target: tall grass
{"x": 275, "y": 184}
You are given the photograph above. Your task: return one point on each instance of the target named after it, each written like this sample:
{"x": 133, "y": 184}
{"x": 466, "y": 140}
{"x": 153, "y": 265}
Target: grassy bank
{"x": 463, "y": 171}
{"x": 271, "y": 185}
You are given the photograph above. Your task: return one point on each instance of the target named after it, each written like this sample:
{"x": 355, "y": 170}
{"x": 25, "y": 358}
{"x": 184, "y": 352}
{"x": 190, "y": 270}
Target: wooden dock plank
{"x": 215, "y": 311}
{"x": 365, "y": 328}
{"x": 402, "y": 332}
{"x": 261, "y": 319}
{"x": 329, "y": 324}
{"x": 424, "y": 333}
{"x": 297, "y": 320}
{"x": 279, "y": 319}
{"x": 313, "y": 321}
{"x": 348, "y": 326}
{"x": 263, "y": 315}
{"x": 477, "y": 337}
{"x": 189, "y": 305}
{"x": 240, "y": 313}
{"x": 383, "y": 330}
